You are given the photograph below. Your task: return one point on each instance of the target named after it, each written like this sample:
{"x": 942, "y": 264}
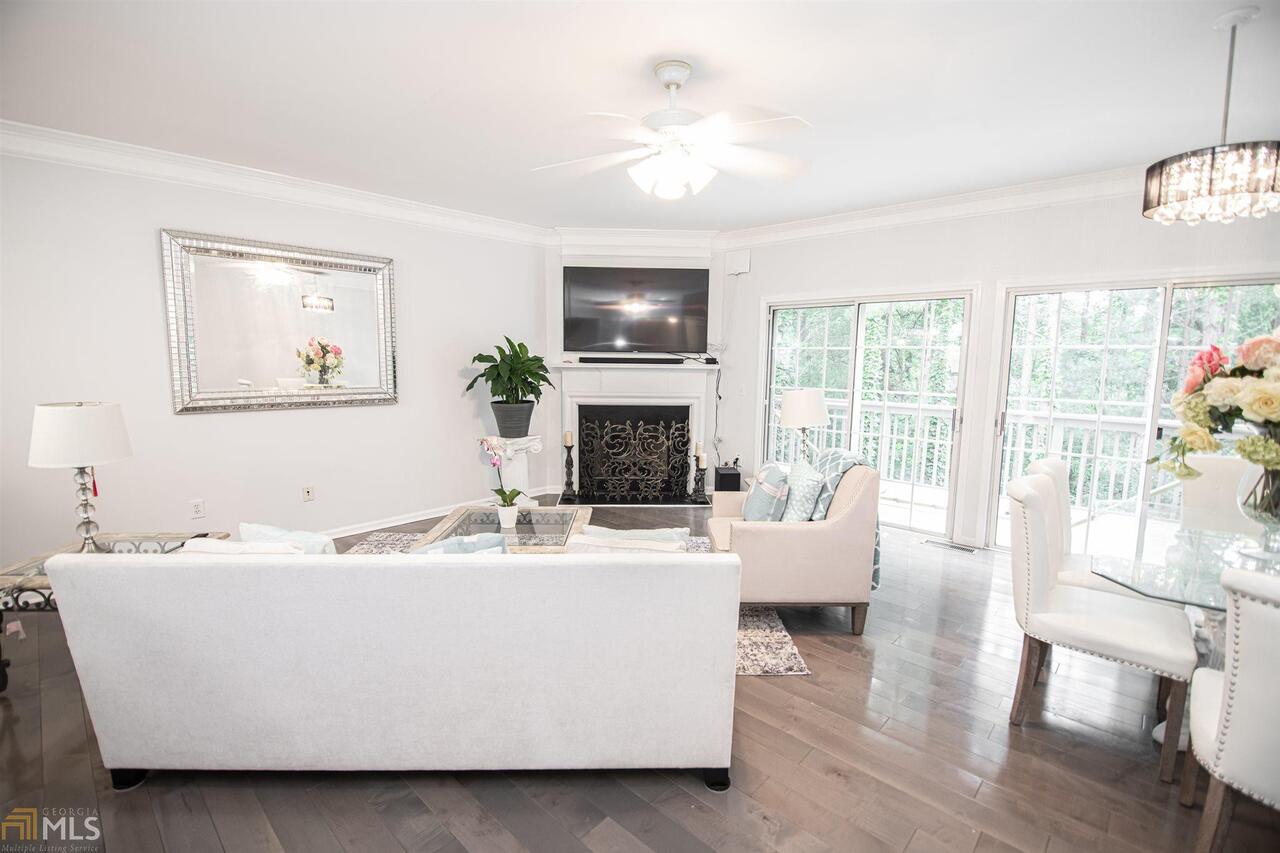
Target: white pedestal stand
{"x": 515, "y": 463}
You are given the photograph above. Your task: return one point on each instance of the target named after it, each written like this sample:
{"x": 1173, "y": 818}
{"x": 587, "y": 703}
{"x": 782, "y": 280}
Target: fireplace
{"x": 634, "y": 454}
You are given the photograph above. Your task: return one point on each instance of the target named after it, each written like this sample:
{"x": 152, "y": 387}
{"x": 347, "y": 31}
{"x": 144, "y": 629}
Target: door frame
{"x": 969, "y": 296}
{"x": 1167, "y": 284}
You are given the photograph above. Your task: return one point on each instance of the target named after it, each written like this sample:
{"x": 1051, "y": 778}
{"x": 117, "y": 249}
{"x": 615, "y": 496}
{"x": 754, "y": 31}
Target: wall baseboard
{"x": 421, "y": 515}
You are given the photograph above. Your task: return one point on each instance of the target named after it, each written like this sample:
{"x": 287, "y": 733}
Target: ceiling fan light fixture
{"x": 644, "y": 174}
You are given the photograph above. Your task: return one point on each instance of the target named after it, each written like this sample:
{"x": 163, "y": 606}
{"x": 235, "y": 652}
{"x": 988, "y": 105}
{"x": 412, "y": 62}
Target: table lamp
{"x": 79, "y": 435}
{"x": 801, "y": 409}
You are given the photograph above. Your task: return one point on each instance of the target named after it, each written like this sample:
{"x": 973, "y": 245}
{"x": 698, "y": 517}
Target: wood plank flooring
{"x": 898, "y": 741}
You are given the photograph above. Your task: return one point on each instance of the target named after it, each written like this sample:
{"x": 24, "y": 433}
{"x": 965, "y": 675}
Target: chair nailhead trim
{"x": 1225, "y": 722}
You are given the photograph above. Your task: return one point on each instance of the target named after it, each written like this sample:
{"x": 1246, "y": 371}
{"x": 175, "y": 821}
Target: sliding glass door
{"x": 1089, "y": 379}
{"x": 898, "y": 405}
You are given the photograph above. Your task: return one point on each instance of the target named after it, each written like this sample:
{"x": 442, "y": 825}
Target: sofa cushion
{"x": 804, "y": 484}
{"x": 720, "y": 528}
{"x": 311, "y": 543}
{"x": 658, "y": 534}
{"x": 831, "y": 464}
{"x": 581, "y": 544}
{"x": 224, "y": 546}
{"x": 767, "y": 499}
{"x": 479, "y": 543}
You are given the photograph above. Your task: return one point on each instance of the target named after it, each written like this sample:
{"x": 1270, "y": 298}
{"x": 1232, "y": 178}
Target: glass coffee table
{"x": 538, "y": 530}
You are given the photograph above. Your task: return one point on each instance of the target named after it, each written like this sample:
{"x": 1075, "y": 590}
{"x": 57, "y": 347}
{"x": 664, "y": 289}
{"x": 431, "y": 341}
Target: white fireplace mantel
{"x": 686, "y": 384}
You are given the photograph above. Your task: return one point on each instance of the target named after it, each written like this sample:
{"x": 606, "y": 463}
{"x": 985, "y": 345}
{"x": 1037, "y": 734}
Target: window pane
{"x": 811, "y": 348}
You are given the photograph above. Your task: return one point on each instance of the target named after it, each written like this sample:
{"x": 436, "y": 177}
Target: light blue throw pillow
{"x": 804, "y": 484}
{"x": 831, "y": 465}
{"x": 767, "y": 498}
{"x": 311, "y": 543}
{"x": 480, "y": 543}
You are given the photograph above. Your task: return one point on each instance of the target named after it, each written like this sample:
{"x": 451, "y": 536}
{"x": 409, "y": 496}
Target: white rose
{"x": 1198, "y": 438}
{"x": 330, "y": 361}
{"x": 1260, "y": 400}
{"x": 1222, "y": 391}
{"x": 1272, "y": 374}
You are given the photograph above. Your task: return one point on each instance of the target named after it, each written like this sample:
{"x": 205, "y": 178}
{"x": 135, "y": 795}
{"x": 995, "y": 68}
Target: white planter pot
{"x": 507, "y": 516}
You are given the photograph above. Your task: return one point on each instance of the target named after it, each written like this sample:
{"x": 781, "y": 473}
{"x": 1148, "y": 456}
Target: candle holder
{"x": 569, "y": 495}
{"x": 699, "y": 485}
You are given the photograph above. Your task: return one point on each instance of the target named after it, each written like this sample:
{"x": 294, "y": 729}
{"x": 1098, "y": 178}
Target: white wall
{"x": 82, "y": 317}
{"x": 1069, "y": 243}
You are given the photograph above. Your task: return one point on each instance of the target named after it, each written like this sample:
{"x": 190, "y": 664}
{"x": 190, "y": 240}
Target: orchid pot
{"x": 507, "y": 509}
{"x": 507, "y": 516}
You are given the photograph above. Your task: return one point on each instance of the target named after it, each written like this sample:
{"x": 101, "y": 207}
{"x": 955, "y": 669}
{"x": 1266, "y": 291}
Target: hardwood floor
{"x": 899, "y": 740}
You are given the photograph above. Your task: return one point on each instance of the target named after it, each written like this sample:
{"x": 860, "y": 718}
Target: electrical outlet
{"x": 197, "y": 508}
{"x": 308, "y": 493}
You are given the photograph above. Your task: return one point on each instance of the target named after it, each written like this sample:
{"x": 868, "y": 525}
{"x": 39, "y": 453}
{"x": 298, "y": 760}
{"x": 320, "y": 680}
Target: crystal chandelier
{"x": 1220, "y": 183}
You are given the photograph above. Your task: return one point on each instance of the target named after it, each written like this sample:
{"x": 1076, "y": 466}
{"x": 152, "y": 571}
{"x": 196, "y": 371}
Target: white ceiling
{"x": 453, "y": 103}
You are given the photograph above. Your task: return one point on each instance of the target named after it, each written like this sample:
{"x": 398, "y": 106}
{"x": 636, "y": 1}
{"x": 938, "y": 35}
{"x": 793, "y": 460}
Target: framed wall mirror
{"x": 265, "y": 326}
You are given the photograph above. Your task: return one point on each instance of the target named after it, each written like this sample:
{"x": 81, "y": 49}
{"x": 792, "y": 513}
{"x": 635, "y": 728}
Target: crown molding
{"x": 635, "y": 243}
{"x": 1115, "y": 183}
{"x": 72, "y": 149}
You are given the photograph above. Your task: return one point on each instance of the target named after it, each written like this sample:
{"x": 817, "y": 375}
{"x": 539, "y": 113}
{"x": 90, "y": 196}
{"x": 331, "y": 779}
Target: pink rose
{"x": 1259, "y": 353}
{"x": 1195, "y": 378}
{"x": 1212, "y": 360}
{"x": 337, "y": 350}
{"x": 311, "y": 342}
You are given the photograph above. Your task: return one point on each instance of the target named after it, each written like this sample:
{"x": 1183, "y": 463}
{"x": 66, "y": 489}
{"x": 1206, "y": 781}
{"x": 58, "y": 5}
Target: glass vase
{"x": 1259, "y": 500}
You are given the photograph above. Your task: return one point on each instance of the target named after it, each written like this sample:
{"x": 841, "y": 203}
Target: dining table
{"x": 1186, "y": 569}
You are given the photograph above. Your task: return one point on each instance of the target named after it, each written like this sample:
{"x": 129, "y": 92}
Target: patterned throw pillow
{"x": 767, "y": 498}
{"x": 831, "y": 465}
{"x": 804, "y": 484}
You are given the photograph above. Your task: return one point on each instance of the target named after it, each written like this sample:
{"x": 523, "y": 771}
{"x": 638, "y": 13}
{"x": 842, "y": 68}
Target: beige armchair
{"x": 826, "y": 562}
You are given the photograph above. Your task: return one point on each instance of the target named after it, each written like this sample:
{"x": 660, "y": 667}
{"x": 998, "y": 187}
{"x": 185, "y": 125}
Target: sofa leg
{"x": 126, "y": 779}
{"x": 716, "y": 778}
{"x": 858, "y": 617}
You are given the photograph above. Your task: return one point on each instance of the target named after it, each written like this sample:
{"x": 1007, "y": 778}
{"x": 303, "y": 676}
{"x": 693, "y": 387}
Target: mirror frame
{"x": 178, "y": 248}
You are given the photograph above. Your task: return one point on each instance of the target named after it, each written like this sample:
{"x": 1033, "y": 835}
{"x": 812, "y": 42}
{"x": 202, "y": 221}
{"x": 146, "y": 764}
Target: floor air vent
{"x": 942, "y": 543}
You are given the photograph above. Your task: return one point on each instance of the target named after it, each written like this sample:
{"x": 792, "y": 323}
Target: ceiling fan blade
{"x": 743, "y": 124}
{"x": 595, "y": 162}
{"x": 741, "y": 160}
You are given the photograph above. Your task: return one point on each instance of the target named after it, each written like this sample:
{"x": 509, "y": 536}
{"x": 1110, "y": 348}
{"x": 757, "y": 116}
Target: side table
{"x": 24, "y": 587}
{"x": 515, "y": 454}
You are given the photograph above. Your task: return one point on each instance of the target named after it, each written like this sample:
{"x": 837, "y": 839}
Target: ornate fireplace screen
{"x": 643, "y": 458}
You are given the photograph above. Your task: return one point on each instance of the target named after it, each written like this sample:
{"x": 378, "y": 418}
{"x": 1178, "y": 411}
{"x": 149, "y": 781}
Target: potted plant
{"x": 1216, "y": 398}
{"x": 507, "y": 509}
{"x": 515, "y": 380}
{"x": 322, "y": 356}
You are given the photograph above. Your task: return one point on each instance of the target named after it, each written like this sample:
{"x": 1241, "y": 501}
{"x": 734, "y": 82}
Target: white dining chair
{"x": 1126, "y": 630}
{"x": 1076, "y": 569}
{"x": 1233, "y": 730}
{"x": 1209, "y": 500}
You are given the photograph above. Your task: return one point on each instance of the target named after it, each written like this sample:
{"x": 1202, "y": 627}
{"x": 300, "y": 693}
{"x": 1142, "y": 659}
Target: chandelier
{"x": 1219, "y": 183}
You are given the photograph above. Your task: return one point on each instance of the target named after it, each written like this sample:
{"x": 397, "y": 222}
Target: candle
{"x": 702, "y": 460}
{"x": 697, "y": 449}
{"x": 568, "y": 438}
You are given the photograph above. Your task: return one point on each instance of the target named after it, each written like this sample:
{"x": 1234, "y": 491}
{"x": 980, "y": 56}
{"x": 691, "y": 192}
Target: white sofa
{"x": 828, "y": 562}
{"x": 402, "y": 662}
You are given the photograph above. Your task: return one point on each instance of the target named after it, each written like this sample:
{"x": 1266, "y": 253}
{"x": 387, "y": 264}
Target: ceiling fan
{"x": 681, "y": 151}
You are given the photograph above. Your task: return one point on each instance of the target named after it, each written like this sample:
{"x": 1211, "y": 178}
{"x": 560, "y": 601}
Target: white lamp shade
{"x": 76, "y": 435}
{"x": 804, "y": 407}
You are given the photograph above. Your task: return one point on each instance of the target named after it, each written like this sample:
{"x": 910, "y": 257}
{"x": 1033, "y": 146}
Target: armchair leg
{"x": 1032, "y": 652}
{"x": 858, "y": 617}
{"x": 716, "y": 778}
{"x": 1190, "y": 779}
{"x": 1217, "y": 815}
{"x": 1173, "y": 729}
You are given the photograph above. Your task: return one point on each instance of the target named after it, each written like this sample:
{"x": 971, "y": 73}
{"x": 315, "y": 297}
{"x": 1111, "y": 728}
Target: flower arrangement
{"x": 1214, "y": 397}
{"x": 322, "y": 356}
{"x": 506, "y": 497}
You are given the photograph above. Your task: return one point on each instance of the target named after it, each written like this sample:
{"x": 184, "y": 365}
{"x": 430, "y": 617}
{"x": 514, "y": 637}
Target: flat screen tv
{"x": 624, "y": 309}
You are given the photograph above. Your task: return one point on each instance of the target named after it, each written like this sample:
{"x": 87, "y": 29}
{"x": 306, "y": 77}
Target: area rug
{"x": 764, "y": 645}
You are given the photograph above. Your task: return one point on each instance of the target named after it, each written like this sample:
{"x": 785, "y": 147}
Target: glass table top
{"x": 536, "y": 527}
{"x": 1190, "y": 569}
